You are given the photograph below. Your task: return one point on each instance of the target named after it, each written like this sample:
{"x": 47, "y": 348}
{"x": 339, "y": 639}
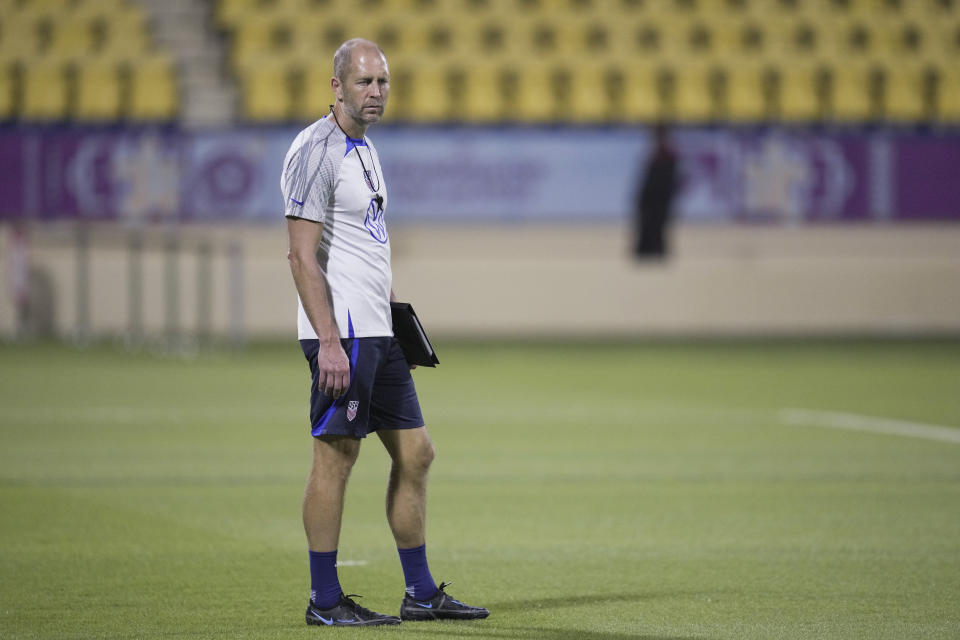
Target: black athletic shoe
{"x": 439, "y": 607}
{"x": 347, "y": 613}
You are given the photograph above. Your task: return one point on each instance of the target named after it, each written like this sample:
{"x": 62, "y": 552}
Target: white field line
{"x": 870, "y": 424}
{"x": 352, "y": 563}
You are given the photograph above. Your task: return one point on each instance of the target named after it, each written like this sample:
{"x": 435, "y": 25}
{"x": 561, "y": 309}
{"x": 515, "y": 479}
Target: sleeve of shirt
{"x": 308, "y": 183}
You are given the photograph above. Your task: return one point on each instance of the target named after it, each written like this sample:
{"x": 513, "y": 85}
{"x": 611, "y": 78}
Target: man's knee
{"x": 335, "y": 455}
{"x": 418, "y": 456}
{"x": 427, "y": 453}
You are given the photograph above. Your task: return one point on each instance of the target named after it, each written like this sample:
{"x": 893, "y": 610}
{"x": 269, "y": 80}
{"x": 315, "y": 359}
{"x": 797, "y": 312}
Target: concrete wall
{"x": 551, "y": 281}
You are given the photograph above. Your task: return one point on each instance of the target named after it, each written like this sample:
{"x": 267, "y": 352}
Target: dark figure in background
{"x": 658, "y": 186}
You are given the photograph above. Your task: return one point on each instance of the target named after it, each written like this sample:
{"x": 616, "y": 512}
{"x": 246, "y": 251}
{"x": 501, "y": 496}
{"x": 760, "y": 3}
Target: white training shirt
{"x": 324, "y": 181}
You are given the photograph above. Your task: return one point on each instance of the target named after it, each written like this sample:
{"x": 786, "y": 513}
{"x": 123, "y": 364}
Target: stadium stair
{"x": 182, "y": 27}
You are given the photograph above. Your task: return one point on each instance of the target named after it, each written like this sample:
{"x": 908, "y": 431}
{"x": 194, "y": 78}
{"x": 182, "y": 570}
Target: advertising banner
{"x": 477, "y": 174}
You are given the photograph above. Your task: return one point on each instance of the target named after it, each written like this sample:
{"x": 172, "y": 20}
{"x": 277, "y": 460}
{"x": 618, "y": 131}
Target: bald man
{"x": 335, "y": 202}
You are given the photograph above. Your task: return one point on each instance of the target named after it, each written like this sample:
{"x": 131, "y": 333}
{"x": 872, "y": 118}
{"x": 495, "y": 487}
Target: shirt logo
{"x": 352, "y": 410}
{"x": 374, "y": 222}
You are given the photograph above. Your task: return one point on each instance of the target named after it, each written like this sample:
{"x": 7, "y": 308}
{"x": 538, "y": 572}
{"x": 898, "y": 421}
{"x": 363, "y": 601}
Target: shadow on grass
{"x": 452, "y": 630}
{"x": 577, "y": 601}
{"x": 481, "y": 630}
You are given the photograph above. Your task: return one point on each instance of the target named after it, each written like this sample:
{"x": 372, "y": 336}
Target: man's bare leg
{"x": 333, "y": 458}
{"x": 412, "y": 452}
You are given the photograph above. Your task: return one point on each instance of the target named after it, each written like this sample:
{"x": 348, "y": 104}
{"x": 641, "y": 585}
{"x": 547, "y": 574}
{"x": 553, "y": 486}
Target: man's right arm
{"x": 304, "y": 237}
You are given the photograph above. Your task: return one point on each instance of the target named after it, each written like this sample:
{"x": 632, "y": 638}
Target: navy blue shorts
{"x": 381, "y": 393}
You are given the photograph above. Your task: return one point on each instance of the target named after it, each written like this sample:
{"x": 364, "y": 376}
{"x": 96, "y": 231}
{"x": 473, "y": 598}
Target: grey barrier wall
{"x": 526, "y": 280}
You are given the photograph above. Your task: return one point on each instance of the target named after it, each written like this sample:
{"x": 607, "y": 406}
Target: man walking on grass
{"x": 335, "y": 201}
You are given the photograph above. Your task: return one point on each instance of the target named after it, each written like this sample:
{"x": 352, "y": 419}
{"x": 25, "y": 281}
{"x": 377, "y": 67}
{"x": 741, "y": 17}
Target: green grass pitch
{"x": 582, "y": 491}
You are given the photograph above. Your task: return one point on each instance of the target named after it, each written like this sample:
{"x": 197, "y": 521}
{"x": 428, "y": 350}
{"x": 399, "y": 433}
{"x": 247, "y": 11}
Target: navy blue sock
{"x": 324, "y": 585}
{"x": 416, "y": 573}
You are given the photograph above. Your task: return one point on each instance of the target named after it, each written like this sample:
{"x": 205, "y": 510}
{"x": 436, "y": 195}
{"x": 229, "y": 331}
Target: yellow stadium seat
{"x": 98, "y": 91}
{"x": 852, "y": 92}
{"x": 704, "y": 39}
{"x": 642, "y": 92}
{"x": 36, "y": 12}
{"x": 947, "y": 96}
{"x": 726, "y": 37}
{"x": 97, "y": 9}
{"x": 479, "y": 89}
{"x": 430, "y": 97}
{"x": 255, "y": 40}
{"x": 312, "y": 95}
{"x": 787, "y": 40}
{"x": 495, "y": 39}
{"x": 843, "y": 39}
{"x": 153, "y": 89}
{"x": 423, "y": 35}
{"x": 904, "y": 91}
{"x": 123, "y": 44}
{"x": 19, "y": 39}
{"x": 535, "y": 94}
{"x": 834, "y": 9}
{"x": 126, "y": 36}
{"x": 467, "y": 11}
{"x": 7, "y": 101}
{"x": 564, "y": 38}
{"x": 315, "y": 41}
{"x": 897, "y": 41}
{"x": 441, "y": 37}
{"x": 229, "y": 13}
{"x": 531, "y": 36}
{"x": 398, "y": 101}
{"x": 57, "y": 6}
{"x": 586, "y": 92}
{"x": 389, "y": 32}
{"x": 464, "y": 41}
{"x": 799, "y": 93}
{"x": 693, "y": 92}
{"x": 753, "y": 38}
{"x": 266, "y": 91}
{"x": 945, "y": 38}
{"x": 44, "y": 90}
{"x": 70, "y": 39}
{"x": 745, "y": 91}
{"x": 597, "y": 39}
{"x": 665, "y": 35}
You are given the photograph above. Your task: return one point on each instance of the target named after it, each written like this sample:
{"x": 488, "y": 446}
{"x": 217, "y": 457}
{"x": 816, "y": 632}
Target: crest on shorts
{"x": 352, "y": 409}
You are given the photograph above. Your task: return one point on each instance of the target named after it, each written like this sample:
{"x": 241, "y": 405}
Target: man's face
{"x": 366, "y": 86}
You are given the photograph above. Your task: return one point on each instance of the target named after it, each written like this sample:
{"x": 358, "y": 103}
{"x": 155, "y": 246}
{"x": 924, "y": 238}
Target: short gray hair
{"x": 344, "y": 55}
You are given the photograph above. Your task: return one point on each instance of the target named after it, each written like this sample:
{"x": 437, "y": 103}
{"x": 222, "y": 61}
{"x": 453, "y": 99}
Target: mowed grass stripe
{"x": 598, "y": 491}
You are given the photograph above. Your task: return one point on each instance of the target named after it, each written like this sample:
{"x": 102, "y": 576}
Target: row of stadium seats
{"x": 86, "y": 60}
{"x": 488, "y": 91}
{"x": 593, "y": 60}
{"x": 231, "y": 11}
{"x": 92, "y": 91}
{"x": 899, "y": 41}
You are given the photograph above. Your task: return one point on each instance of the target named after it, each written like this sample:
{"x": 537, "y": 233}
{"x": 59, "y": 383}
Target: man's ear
{"x": 337, "y": 88}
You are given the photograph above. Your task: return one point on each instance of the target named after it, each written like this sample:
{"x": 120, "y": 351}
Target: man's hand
{"x": 334, "y": 369}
